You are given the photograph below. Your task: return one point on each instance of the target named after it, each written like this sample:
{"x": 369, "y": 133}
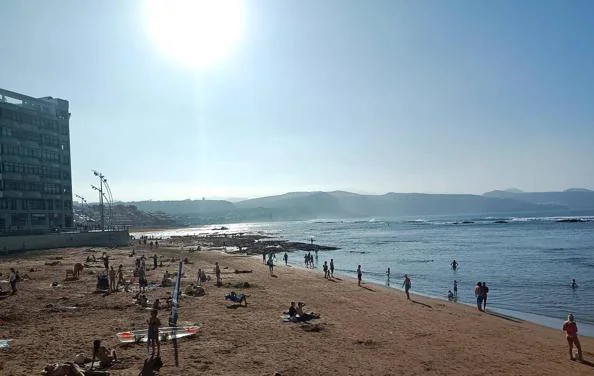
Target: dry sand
{"x": 368, "y": 330}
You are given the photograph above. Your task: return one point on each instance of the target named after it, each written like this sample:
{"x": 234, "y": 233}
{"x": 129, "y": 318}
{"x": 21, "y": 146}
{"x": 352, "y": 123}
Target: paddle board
{"x": 165, "y": 334}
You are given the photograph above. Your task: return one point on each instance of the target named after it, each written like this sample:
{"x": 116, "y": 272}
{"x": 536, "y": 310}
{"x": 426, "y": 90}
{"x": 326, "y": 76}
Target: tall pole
{"x": 101, "y": 203}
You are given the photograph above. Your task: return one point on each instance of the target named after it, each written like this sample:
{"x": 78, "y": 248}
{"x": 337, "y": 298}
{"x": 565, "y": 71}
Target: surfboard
{"x": 165, "y": 334}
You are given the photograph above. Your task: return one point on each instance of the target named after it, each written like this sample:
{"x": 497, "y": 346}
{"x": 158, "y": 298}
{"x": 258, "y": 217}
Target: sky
{"x": 367, "y": 96}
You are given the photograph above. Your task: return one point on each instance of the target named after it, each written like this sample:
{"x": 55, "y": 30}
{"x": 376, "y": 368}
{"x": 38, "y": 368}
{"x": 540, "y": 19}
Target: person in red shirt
{"x": 570, "y": 329}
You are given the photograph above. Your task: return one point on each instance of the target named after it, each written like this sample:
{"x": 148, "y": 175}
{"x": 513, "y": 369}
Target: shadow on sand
{"x": 502, "y": 316}
{"x": 367, "y": 288}
{"x": 421, "y": 303}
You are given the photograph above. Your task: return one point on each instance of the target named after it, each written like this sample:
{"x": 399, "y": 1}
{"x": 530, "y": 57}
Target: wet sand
{"x": 368, "y": 330}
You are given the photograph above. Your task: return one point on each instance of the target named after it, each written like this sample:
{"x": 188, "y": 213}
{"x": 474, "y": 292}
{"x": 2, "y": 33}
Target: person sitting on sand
{"x": 105, "y": 356}
{"x": 292, "y": 310}
{"x": 450, "y": 295}
{"x": 303, "y": 316}
{"x": 570, "y": 328}
{"x": 153, "y": 332}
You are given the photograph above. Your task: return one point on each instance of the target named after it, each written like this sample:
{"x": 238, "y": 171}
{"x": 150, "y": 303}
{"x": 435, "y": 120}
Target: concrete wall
{"x": 62, "y": 240}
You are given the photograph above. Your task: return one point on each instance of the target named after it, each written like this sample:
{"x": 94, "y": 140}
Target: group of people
{"x": 296, "y": 313}
{"x": 309, "y": 260}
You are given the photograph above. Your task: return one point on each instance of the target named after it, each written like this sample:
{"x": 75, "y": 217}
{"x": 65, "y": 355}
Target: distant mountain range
{"x": 340, "y": 204}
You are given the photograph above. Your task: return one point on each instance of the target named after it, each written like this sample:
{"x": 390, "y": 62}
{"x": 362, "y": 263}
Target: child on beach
{"x": 570, "y": 329}
{"x": 406, "y": 284}
{"x": 359, "y": 275}
{"x": 153, "y": 332}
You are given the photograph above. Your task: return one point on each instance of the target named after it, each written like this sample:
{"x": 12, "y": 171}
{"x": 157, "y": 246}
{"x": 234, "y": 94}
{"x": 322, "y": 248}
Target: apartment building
{"x": 35, "y": 172}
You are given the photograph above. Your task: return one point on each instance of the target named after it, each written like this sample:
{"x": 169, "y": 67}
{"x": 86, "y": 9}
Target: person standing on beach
{"x": 286, "y": 257}
{"x": 218, "y": 273}
{"x": 264, "y": 258}
{"x": 479, "y": 295}
{"x": 120, "y": 275}
{"x": 455, "y": 288}
{"x": 570, "y": 329}
{"x": 112, "y": 280}
{"x": 485, "y": 291}
{"x": 325, "y": 267}
{"x": 106, "y": 261}
{"x": 406, "y": 284}
{"x": 13, "y": 281}
{"x": 153, "y": 332}
{"x": 154, "y": 261}
{"x": 332, "y": 268}
{"x": 359, "y": 275}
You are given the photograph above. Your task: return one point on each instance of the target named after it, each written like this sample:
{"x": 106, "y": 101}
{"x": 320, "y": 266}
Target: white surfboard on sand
{"x": 165, "y": 334}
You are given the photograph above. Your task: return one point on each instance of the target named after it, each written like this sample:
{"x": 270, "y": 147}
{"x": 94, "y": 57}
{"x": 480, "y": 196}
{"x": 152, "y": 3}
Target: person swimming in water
{"x": 573, "y": 284}
{"x": 454, "y": 265}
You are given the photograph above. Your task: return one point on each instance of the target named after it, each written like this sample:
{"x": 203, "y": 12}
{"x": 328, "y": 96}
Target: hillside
{"x": 573, "y": 199}
{"x": 340, "y": 204}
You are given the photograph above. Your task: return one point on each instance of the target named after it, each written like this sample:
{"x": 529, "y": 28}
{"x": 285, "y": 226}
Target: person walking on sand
{"x": 153, "y": 332}
{"x": 286, "y": 258}
{"x": 218, "y": 274}
{"x": 332, "y": 268}
{"x": 571, "y": 330}
{"x": 264, "y": 258}
{"x": 13, "y": 281}
{"x": 478, "y": 292}
{"x": 406, "y": 284}
{"x": 359, "y": 275}
{"x": 455, "y": 288}
{"x": 112, "y": 280}
{"x": 485, "y": 291}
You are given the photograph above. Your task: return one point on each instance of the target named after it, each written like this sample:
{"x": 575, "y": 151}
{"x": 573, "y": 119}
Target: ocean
{"x": 528, "y": 262}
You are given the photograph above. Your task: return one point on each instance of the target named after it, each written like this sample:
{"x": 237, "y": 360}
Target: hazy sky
{"x": 370, "y": 96}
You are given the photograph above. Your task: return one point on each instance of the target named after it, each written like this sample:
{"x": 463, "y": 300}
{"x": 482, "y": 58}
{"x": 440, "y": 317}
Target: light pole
{"x": 100, "y": 190}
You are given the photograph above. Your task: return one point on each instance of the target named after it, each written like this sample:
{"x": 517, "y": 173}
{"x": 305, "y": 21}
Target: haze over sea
{"x": 527, "y": 262}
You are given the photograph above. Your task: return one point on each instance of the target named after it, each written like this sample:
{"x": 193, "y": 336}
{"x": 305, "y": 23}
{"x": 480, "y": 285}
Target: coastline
{"x": 366, "y": 330}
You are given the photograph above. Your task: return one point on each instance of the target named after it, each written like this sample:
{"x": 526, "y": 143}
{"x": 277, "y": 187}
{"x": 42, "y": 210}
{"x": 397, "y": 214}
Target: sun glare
{"x": 194, "y": 33}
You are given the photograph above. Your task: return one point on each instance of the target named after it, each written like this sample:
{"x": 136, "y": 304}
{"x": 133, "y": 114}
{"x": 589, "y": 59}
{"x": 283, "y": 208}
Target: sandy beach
{"x": 367, "y": 330}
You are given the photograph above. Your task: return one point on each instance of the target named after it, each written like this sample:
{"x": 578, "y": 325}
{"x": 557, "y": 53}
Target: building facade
{"x": 35, "y": 172}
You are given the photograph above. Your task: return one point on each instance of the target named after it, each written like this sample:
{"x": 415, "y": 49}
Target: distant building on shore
{"x": 35, "y": 171}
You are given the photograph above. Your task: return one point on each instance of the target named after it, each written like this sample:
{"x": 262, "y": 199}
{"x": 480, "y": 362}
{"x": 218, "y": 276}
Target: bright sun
{"x": 194, "y": 33}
